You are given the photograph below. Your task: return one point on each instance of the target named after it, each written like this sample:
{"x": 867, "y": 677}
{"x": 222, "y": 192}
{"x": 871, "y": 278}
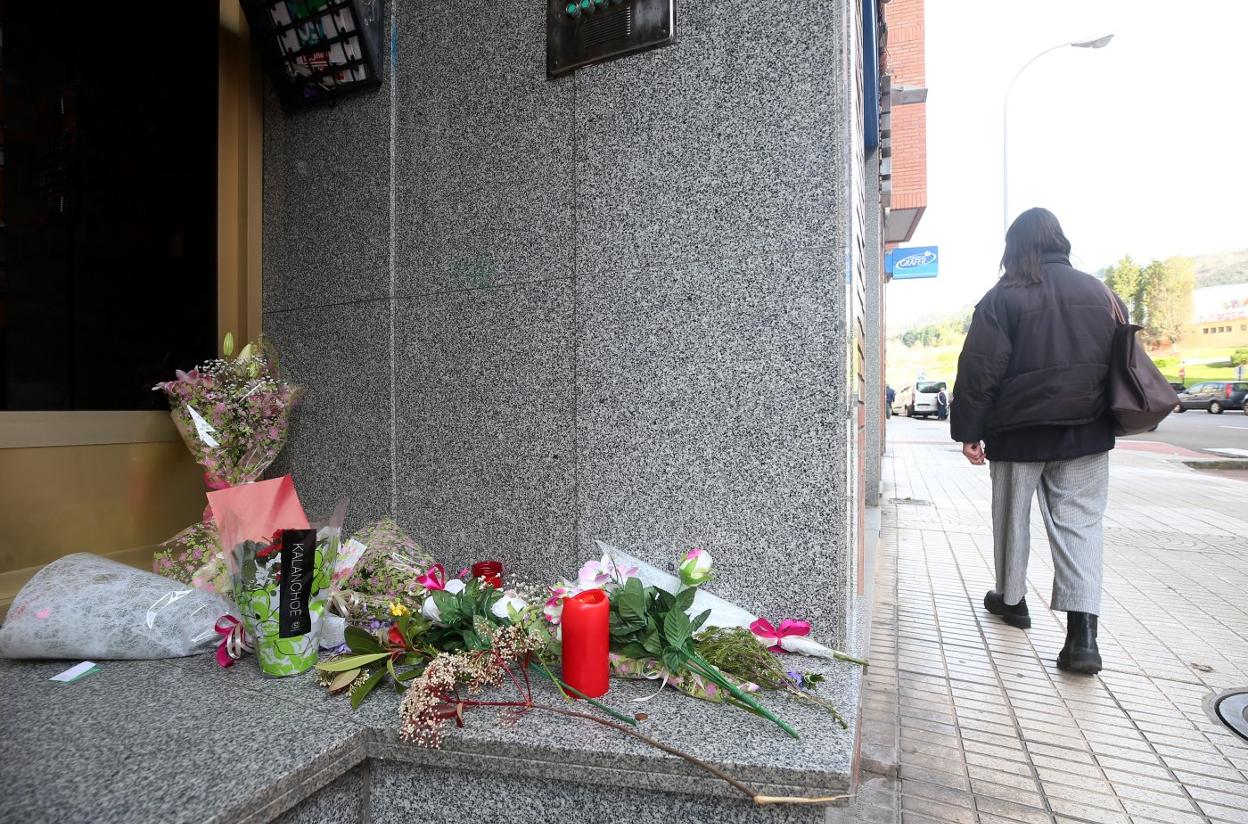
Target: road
{"x": 1195, "y": 430}
{"x": 1202, "y": 432}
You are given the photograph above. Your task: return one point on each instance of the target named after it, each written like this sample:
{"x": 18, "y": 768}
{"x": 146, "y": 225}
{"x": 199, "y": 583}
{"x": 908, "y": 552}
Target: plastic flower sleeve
{"x": 723, "y": 613}
{"x": 86, "y": 606}
{"x": 388, "y": 570}
{"x": 234, "y": 416}
{"x": 690, "y": 683}
{"x": 280, "y": 583}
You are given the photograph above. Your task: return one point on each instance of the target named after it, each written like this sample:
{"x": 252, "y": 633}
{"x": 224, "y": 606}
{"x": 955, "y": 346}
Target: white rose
{"x": 510, "y": 601}
{"x": 429, "y": 608}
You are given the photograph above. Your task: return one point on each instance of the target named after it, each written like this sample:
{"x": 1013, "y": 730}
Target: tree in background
{"x": 1124, "y": 278}
{"x": 1239, "y": 357}
{"x": 1166, "y": 288}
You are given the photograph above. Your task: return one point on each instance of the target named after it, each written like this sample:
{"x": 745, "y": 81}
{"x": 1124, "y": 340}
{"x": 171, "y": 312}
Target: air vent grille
{"x": 607, "y": 28}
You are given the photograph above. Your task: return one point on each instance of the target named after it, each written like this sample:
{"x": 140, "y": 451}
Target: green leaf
{"x": 664, "y": 600}
{"x": 409, "y": 674}
{"x": 652, "y": 643}
{"x": 632, "y": 599}
{"x": 676, "y": 628}
{"x": 448, "y": 607}
{"x": 634, "y": 650}
{"x": 351, "y": 662}
{"x": 361, "y": 692}
{"x": 361, "y": 641}
{"x": 343, "y": 680}
{"x": 674, "y": 661}
{"x": 697, "y": 622}
{"x": 684, "y": 599}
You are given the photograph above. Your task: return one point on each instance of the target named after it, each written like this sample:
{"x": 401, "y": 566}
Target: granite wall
{"x": 873, "y": 285}
{"x": 529, "y": 313}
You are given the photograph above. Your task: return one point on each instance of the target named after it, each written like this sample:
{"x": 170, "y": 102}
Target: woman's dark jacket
{"x": 1035, "y": 359}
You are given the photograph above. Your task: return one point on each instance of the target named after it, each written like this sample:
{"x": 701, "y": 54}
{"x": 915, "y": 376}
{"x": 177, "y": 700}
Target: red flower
{"x": 396, "y": 637}
{"x": 275, "y": 545}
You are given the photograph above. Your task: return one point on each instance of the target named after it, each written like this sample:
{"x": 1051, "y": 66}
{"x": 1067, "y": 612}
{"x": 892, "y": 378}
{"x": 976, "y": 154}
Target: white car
{"x": 918, "y": 401}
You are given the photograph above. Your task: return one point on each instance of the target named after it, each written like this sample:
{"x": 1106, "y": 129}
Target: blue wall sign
{"x": 915, "y": 262}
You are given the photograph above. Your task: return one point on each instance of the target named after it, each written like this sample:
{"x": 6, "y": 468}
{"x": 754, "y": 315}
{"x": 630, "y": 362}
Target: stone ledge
{"x": 182, "y": 740}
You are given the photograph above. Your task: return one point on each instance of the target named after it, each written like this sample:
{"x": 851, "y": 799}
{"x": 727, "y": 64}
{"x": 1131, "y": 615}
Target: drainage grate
{"x": 910, "y": 501}
{"x": 1231, "y": 708}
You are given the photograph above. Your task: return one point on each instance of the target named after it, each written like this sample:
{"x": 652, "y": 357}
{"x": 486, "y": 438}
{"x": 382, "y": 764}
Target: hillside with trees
{"x": 1221, "y": 269}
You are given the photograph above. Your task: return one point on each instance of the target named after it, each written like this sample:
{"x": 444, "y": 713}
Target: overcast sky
{"x": 1138, "y": 147}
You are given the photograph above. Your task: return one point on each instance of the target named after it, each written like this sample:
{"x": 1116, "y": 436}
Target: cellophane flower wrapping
{"x": 256, "y": 567}
{"x": 234, "y": 415}
{"x": 88, "y": 607}
{"x": 689, "y": 683}
{"x": 387, "y": 571}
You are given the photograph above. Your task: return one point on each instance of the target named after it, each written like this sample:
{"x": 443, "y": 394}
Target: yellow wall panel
{"x": 100, "y": 498}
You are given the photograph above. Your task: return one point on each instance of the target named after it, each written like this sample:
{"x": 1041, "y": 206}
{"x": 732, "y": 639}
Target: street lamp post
{"x": 1098, "y": 43}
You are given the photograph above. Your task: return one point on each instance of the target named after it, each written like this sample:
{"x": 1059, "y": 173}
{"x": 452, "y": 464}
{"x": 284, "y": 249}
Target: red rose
{"x": 395, "y": 636}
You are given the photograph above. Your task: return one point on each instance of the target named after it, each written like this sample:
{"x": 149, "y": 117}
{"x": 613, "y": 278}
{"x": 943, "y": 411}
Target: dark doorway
{"x": 108, "y": 236}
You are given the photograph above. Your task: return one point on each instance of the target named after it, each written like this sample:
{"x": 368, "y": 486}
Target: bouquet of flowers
{"x": 233, "y": 414}
{"x": 388, "y": 571}
{"x": 86, "y": 606}
{"x": 280, "y": 569}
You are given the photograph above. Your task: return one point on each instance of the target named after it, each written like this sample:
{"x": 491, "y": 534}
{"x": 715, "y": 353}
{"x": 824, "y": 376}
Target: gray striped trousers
{"x": 1073, "y": 495}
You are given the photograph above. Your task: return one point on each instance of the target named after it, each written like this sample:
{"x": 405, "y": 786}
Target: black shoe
{"x": 1080, "y": 653}
{"x": 1016, "y": 615}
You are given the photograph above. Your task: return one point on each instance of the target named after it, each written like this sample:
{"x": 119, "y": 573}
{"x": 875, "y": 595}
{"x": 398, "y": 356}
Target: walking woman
{"x": 1031, "y": 400}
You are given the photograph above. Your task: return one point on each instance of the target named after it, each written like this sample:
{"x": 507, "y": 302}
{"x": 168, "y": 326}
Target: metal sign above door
{"x": 581, "y": 32}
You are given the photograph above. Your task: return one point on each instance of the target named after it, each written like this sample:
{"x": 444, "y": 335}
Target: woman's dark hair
{"x": 1032, "y": 235}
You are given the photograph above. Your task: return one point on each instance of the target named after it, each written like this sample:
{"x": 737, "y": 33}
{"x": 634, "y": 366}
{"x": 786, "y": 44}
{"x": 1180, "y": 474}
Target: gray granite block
{"x": 485, "y": 426}
{"x": 326, "y": 202}
{"x": 749, "y": 748}
{"x": 710, "y": 413}
{"x": 345, "y": 801}
{"x": 484, "y": 165}
{"x": 145, "y": 741}
{"x": 340, "y": 438}
{"x": 729, "y": 143}
{"x": 500, "y": 43}
{"x": 523, "y": 799}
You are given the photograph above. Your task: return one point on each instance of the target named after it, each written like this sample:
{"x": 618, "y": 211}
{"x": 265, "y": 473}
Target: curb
{"x": 1218, "y": 463}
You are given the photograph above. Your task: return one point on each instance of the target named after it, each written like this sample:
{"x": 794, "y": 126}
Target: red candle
{"x": 586, "y": 642}
{"x": 489, "y": 571}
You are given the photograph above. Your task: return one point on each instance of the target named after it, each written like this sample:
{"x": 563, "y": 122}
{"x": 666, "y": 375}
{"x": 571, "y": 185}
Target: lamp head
{"x": 1098, "y": 43}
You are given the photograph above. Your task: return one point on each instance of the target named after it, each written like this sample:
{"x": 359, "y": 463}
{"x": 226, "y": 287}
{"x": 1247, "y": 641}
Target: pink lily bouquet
{"x": 233, "y": 414}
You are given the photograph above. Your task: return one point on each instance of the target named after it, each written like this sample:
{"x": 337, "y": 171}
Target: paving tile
{"x": 1067, "y": 813}
{"x": 1009, "y": 809}
{"x": 954, "y": 781}
{"x": 1018, "y": 779}
{"x": 1141, "y": 811}
{"x": 1232, "y": 815}
{"x": 935, "y": 810}
{"x": 1005, "y": 792}
{"x": 936, "y": 792}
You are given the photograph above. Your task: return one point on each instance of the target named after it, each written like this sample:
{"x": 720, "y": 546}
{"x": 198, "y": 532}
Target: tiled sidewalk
{"x": 969, "y": 720}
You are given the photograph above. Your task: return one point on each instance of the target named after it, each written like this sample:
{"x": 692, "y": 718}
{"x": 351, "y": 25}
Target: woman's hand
{"x": 974, "y": 453}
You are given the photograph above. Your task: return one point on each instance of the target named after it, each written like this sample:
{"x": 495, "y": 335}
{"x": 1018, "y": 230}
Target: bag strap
{"x": 1113, "y": 302}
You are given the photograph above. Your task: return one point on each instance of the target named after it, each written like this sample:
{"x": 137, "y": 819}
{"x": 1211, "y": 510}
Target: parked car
{"x": 1177, "y": 386}
{"x": 901, "y": 400}
{"x": 1213, "y": 396}
{"x": 921, "y": 400}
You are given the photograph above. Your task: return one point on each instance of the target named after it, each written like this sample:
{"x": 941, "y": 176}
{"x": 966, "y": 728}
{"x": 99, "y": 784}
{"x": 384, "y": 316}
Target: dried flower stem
{"x": 745, "y": 789}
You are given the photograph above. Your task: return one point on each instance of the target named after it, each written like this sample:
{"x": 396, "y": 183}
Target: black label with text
{"x": 295, "y": 588}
